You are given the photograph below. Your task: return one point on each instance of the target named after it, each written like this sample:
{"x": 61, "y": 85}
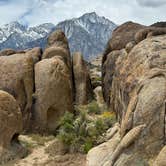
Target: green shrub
{"x": 66, "y": 131}
{"x": 81, "y": 132}
{"x": 87, "y": 146}
{"x": 100, "y": 126}
{"x": 93, "y": 108}
{"x": 109, "y": 118}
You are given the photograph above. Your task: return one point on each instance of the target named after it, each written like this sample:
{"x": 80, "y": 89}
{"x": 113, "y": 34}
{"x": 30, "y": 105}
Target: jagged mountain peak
{"x": 93, "y": 17}
{"x": 14, "y": 25}
{"x": 87, "y": 34}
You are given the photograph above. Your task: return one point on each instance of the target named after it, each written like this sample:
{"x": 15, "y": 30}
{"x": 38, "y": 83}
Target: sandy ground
{"x": 38, "y": 156}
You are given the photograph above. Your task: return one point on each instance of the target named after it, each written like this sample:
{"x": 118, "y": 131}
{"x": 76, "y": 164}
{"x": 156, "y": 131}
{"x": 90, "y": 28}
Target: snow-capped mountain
{"x": 87, "y": 34}
{"x": 15, "y": 35}
{"x": 32, "y": 33}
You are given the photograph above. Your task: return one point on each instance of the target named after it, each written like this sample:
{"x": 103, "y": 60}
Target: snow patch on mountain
{"x": 87, "y": 34}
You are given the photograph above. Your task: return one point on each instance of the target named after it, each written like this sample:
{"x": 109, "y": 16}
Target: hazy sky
{"x": 34, "y": 12}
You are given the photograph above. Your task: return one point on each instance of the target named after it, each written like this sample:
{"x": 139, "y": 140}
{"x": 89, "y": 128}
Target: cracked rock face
{"x": 121, "y": 36}
{"x": 137, "y": 95}
{"x": 82, "y": 82}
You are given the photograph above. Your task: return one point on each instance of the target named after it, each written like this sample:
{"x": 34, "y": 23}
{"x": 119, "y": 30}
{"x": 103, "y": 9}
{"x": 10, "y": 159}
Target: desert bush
{"x": 109, "y": 118}
{"x": 79, "y": 132}
{"x": 93, "y": 108}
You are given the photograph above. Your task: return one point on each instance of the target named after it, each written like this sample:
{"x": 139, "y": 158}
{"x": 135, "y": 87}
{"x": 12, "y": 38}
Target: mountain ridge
{"x": 87, "y": 34}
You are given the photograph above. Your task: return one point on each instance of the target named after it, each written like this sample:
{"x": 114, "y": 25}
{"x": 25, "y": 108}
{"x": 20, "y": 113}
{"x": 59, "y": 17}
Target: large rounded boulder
{"x": 122, "y": 35}
{"x": 58, "y": 38}
{"x": 53, "y": 96}
{"x": 35, "y": 53}
{"x": 11, "y": 126}
{"x": 17, "y": 79}
{"x": 53, "y": 84}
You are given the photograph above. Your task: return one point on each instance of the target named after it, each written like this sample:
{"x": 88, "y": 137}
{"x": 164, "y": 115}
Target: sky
{"x": 35, "y": 12}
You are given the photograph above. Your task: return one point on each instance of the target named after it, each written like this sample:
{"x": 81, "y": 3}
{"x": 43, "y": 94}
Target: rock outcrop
{"x": 99, "y": 96}
{"x": 96, "y": 155}
{"x": 16, "y": 78}
{"x": 126, "y": 36}
{"x": 7, "y": 52}
{"x": 149, "y": 32}
{"x": 108, "y": 70}
{"x": 53, "y": 83}
{"x": 11, "y": 126}
{"x": 121, "y": 36}
{"x": 35, "y": 53}
{"x": 136, "y": 79}
{"x": 82, "y": 83}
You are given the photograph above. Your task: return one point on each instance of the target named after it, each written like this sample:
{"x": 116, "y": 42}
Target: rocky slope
{"x": 87, "y": 34}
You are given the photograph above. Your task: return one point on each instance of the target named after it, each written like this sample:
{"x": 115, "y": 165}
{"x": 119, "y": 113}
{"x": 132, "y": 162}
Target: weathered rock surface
{"x": 10, "y": 127}
{"x": 149, "y": 32}
{"x": 53, "y": 83}
{"x": 53, "y": 92}
{"x": 57, "y": 51}
{"x": 108, "y": 70}
{"x": 122, "y": 35}
{"x": 137, "y": 95}
{"x": 97, "y": 154}
{"x": 161, "y": 158}
{"x": 125, "y": 36}
{"x": 17, "y": 79}
{"x": 95, "y": 71}
{"x": 35, "y": 53}
{"x": 82, "y": 83}
{"x": 58, "y": 38}
{"x": 99, "y": 96}
{"x": 7, "y": 52}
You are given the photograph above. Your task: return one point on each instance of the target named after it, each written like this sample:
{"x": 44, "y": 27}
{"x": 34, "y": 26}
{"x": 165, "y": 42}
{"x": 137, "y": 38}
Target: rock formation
{"x": 53, "y": 83}
{"x": 16, "y": 78}
{"x": 135, "y": 78}
{"x": 149, "y": 32}
{"x": 7, "y": 52}
{"x": 121, "y": 36}
{"x": 161, "y": 159}
{"x": 82, "y": 83}
{"x": 35, "y": 53}
{"x": 99, "y": 96}
{"x": 40, "y": 91}
{"x": 108, "y": 70}
{"x": 11, "y": 126}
